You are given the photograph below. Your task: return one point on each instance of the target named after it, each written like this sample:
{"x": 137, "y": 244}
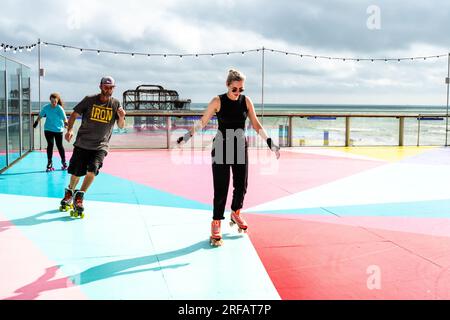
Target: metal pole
{"x": 262, "y": 87}
{"x": 168, "y": 128}
{"x": 401, "y": 131}
{"x": 418, "y": 130}
{"x": 39, "y": 90}
{"x": 290, "y": 134}
{"x": 30, "y": 117}
{"x": 19, "y": 82}
{"x": 347, "y": 132}
{"x": 447, "y": 82}
{"x": 7, "y": 113}
{"x": 32, "y": 146}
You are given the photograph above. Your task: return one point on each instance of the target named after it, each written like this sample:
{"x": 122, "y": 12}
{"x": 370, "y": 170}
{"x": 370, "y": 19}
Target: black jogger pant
{"x": 221, "y": 179}
{"x": 58, "y": 138}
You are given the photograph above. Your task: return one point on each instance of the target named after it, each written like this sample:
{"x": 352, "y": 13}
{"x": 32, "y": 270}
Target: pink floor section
{"x": 21, "y": 281}
{"x": 189, "y": 173}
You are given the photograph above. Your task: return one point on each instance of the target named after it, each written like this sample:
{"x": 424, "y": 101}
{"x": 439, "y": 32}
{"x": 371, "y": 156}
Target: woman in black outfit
{"x": 230, "y": 150}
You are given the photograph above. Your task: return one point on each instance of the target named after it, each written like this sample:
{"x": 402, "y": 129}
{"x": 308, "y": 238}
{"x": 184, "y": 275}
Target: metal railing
{"x": 161, "y": 129}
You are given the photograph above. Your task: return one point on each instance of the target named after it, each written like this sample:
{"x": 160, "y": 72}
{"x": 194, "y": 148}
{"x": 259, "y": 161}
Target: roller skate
{"x": 216, "y": 235}
{"x": 66, "y": 202}
{"x": 49, "y": 167}
{"x": 78, "y": 208}
{"x": 64, "y": 166}
{"x": 236, "y": 218}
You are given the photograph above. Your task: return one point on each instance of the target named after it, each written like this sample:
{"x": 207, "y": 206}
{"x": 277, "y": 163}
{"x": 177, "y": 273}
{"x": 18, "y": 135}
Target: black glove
{"x": 35, "y": 124}
{"x": 184, "y": 138}
{"x": 272, "y": 145}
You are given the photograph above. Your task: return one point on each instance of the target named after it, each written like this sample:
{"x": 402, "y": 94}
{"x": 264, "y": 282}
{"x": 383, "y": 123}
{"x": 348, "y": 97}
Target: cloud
{"x": 336, "y": 28}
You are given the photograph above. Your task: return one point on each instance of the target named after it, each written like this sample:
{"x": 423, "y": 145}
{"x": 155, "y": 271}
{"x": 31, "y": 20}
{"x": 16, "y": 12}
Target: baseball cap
{"x": 108, "y": 81}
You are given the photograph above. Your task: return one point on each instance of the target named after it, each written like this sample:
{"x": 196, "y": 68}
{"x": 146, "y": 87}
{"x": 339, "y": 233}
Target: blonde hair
{"x": 234, "y": 75}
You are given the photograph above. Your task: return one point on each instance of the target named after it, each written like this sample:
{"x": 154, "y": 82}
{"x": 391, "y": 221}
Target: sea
{"x": 427, "y": 127}
{"x": 319, "y": 108}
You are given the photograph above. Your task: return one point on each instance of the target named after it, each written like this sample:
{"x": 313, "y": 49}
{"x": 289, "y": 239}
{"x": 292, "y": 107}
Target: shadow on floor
{"x": 33, "y": 220}
{"x": 107, "y": 270}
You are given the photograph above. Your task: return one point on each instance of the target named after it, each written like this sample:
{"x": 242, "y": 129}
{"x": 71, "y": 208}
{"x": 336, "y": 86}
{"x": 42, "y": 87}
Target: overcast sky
{"x": 332, "y": 28}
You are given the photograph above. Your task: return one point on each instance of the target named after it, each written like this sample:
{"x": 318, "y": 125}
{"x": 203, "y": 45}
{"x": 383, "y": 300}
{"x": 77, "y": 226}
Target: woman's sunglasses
{"x": 236, "y": 89}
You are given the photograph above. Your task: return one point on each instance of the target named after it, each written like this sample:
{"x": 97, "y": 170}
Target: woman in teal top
{"x": 54, "y": 127}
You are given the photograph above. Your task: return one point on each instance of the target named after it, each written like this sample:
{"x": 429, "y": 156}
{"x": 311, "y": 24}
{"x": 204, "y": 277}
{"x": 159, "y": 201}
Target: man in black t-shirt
{"x": 99, "y": 113}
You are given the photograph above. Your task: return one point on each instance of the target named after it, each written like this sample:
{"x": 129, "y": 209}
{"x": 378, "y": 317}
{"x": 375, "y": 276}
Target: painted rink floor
{"x": 325, "y": 223}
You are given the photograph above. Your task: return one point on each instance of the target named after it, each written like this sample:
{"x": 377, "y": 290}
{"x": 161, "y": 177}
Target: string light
{"x": 357, "y": 59}
{"x": 7, "y": 47}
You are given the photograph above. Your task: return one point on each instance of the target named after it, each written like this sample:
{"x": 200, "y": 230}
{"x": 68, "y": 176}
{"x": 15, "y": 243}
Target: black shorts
{"x": 84, "y": 161}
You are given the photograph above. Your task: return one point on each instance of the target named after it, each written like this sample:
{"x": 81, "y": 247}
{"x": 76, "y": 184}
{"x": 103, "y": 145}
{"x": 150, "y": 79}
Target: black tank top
{"x": 231, "y": 134}
{"x": 232, "y": 113}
